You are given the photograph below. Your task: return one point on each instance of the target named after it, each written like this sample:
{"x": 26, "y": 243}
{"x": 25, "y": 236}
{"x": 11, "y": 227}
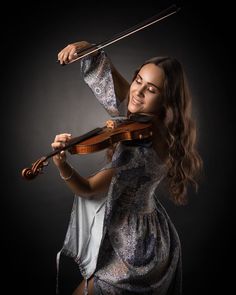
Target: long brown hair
{"x": 180, "y": 133}
{"x": 184, "y": 160}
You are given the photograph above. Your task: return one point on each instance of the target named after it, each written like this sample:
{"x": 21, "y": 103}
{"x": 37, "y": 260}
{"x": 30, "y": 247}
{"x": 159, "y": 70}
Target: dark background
{"x": 41, "y": 99}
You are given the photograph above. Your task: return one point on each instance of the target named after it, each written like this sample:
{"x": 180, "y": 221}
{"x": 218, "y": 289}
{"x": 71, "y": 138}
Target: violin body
{"x": 111, "y": 135}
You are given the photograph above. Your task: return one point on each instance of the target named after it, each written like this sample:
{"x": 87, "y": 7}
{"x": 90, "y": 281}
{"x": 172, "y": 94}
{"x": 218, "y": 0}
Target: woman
{"x": 119, "y": 234}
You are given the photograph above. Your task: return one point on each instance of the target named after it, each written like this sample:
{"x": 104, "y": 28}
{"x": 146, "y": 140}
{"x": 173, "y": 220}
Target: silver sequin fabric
{"x": 140, "y": 252}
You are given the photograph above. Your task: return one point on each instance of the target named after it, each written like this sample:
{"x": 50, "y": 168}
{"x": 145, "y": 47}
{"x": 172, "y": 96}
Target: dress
{"x": 125, "y": 237}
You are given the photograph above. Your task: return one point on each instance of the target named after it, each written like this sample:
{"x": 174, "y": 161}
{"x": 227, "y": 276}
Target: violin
{"x": 136, "y": 127}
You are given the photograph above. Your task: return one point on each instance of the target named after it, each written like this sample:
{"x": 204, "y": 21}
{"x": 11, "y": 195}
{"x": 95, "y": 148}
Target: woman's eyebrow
{"x": 149, "y": 82}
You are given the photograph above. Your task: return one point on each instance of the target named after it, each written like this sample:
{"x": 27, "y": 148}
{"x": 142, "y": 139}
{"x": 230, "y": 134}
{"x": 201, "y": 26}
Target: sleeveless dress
{"x": 125, "y": 237}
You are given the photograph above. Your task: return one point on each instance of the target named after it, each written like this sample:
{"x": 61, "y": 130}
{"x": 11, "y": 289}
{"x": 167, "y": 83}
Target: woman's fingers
{"x": 62, "y": 137}
{"x": 63, "y": 55}
{"x": 58, "y": 143}
{"x": 60, "y": 140}
{"x": 69, "y": 52}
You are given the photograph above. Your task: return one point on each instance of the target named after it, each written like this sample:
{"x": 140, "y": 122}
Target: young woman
{"x": 119, "y": 233}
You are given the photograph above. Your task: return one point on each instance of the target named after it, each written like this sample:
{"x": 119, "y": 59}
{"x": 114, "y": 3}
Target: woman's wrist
{"x": 66, "y": 171}
{"x": 68, "y": 177}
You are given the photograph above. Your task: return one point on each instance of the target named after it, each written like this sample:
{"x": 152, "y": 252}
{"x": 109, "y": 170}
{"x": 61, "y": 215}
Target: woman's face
{"x": 145, "y": 90}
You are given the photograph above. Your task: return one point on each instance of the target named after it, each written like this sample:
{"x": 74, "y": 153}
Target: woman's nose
{"x": 140, "y": 91}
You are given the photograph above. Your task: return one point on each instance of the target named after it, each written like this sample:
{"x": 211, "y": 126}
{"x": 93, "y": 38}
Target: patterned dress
{"x": 124, "y": 238}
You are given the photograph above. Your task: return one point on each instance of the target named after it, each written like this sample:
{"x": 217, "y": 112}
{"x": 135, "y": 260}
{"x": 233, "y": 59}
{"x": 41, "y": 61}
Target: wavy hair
{"x": 185, "y": 163}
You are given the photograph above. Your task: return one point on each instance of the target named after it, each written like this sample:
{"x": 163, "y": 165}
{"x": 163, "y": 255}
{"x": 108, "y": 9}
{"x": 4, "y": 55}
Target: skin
{"x": 145, "y": 90}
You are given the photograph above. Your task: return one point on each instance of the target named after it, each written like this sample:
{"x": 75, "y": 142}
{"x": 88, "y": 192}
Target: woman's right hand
{"x": 67, "y": 54}
{"x": 59, "y": 142}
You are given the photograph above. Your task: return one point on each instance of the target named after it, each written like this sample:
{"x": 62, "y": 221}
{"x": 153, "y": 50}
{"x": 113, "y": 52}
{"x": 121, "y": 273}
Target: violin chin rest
{"x": 141, "y": 117}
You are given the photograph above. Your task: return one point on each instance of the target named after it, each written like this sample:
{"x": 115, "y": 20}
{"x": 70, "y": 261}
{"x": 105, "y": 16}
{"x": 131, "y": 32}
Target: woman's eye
{"x": 151, "y": 89}
{"x": 138, "y": 81}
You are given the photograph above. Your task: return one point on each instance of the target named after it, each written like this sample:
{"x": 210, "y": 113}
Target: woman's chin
{"x": 133, "y": 109}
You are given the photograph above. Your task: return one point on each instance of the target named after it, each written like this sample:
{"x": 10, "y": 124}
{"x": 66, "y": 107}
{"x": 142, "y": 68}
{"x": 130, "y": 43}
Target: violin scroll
{"x": 37, "y": 167}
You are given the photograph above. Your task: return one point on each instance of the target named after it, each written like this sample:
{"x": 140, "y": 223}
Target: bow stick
{"x": 146, "y": 23}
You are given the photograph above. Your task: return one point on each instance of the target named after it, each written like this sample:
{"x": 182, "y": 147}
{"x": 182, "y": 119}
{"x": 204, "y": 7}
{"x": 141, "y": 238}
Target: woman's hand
{"x": 69, "y": 53}
{"x": 59, "y": 142}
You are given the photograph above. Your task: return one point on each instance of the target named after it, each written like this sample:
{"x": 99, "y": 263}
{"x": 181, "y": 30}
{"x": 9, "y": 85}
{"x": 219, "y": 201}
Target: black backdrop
{"x": 41, "y": 99}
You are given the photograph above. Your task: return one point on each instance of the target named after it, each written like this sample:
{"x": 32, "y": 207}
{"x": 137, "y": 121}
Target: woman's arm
{"x": 121, "y": 85}
{"x": 86, "y": 187}
{"x": 106, "y": 82}
{"x": 83, "y": 187}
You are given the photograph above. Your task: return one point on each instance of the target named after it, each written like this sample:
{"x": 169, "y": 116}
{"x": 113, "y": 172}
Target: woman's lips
{"x": 135, "y": 101}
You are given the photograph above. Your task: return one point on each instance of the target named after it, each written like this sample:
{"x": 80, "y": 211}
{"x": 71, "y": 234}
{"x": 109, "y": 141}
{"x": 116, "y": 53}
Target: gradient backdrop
{"x": 41, "y": 99}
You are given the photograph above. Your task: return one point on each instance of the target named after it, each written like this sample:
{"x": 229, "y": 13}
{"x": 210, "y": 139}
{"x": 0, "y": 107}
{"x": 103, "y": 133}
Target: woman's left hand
{"x": 59, "y": 142}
